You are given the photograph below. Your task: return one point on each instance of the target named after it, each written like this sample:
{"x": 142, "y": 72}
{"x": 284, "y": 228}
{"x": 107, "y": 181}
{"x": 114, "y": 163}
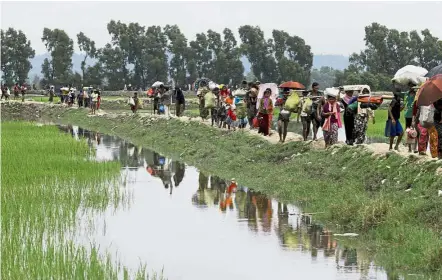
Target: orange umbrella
{"x": 292, "y": 85}
{"x": 430, "y": 91}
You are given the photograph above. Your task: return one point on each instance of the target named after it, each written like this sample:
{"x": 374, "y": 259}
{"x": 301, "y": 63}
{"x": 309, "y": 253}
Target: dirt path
{"x": 375, "y": 148}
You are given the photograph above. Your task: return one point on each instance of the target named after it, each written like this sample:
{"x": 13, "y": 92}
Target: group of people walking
{"x": 324, "y": 110}
{"x": 162, "y": 97}
{"x": 17, "y": 90}
{"x": 423, "y": 124}
{"x": 236, "y": 112}
{"x": 86, "y": 98}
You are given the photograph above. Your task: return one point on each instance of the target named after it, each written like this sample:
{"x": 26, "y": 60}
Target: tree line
{"x": 140, "y": 55}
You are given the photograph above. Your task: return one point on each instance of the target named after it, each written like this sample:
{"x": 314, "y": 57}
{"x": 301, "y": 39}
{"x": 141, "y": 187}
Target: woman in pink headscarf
{"x": 331, "y": 112}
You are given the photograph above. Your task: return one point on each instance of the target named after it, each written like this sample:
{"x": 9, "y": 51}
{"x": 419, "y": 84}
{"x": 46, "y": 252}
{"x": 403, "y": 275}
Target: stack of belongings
{"x": 410, "y": 74}
{"x": 210, "y": 97}
{"x": 240, "y": 94}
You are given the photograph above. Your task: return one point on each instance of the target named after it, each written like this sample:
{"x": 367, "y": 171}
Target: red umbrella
{"x": 430, "y": 91}
{"x": 292, "y": 85}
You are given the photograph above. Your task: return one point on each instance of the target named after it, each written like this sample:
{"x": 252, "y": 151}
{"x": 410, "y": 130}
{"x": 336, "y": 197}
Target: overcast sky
{"x": 328, "y": 27}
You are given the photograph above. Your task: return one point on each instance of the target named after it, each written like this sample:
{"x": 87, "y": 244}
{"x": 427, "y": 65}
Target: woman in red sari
{"x": 264, "y": 112}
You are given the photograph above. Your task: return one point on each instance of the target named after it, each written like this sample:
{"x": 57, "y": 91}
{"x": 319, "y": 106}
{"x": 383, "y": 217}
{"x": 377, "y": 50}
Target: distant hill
{"x": 339, "y": 62}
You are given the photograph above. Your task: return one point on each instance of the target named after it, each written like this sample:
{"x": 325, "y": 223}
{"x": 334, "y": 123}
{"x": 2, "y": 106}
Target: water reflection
{"x": 295, "y": 231}
{"x": 130, "y": 156}
{"x": 191, "y": 224}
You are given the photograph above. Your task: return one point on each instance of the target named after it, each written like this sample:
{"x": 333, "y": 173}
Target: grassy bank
{"x": 46, "y": 180}
{"x": 347, "y": 185}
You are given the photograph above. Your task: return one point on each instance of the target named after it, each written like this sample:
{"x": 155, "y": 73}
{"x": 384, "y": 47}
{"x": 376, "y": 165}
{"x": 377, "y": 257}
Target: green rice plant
{"x": 378, "y": 128}
{"x": 47, "y": 178}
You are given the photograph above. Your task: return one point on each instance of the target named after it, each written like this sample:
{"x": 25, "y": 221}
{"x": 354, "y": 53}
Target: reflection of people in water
{"x": 265, "y": 211}
{"x": 98, "y": 138}
{"x": 232, "y": 187}
{"x": 165, "y": 173}
{"x": 251, "y": 207}
{"x": 328, "y": 243}
{"x": 228, "y": 200}
{"x": 199, "y": 198}
{"x": 178, "y": 170}
{"x": 314, "y": 232}
{"x": 350, "y": 257}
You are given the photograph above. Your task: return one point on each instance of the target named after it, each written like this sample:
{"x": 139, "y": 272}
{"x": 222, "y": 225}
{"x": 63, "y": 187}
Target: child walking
{"x": 393, "y": 127}
{"x": 232, "y": 118}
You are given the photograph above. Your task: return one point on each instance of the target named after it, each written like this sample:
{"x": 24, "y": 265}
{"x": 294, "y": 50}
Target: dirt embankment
{"x": 37, "y": 111}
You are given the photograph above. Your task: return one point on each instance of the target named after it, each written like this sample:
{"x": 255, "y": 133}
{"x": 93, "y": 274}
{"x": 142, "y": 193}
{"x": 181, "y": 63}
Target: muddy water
{"x": 185, "y": 222}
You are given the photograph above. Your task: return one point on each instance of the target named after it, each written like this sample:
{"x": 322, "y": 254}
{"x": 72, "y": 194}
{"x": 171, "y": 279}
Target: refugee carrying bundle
{"x": 292, "y": 102}
{"x": 285, "y": 114}
{"x": 239, "y": 92}
{"x": 131, "y": 101}
{"x": 238, "y": 99}
{"x": 241, "y": 110}
{"x": 371, "y": 99}
{"x": 212, "y": 85}
{"x": 426, "y": 116}
{"x": 210, "y": 100}
{"x": 307, "y": 106}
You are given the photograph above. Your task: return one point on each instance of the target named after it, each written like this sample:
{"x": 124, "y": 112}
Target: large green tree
{"x": 259, "y": 52}
{"x": 235, "y": 67}
{"x": 156, "y": 51}
{"x": 201, "y": 54}
{"x": 16, "y": 51}
{"x": 427, "y": 50}
{"x": 218, "y": 63}
{"x": 294, "y": 57}
{"x": 87, "y": 46}
{"x": 120, "y": 46}
{"x": 94, "y": 76}
{"x": 111, "y": 63}
{"x": 61, "y": 48}
{"x": 179, "y": 50}
{"x": 387, "y": 50}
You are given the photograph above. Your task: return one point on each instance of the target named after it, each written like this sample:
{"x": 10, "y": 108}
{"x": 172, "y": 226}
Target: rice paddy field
{"x": 48, "y": 179}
